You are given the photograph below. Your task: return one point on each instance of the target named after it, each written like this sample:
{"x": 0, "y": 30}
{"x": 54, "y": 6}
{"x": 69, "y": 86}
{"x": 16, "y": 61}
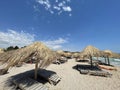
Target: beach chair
{"x": 63, "y": 60}
{"x": 82, "y": 70}
{"x": 11, "y": 86}
{"x": 57, "y": 62}
{"x": 3, "y": 71}
{"x": 26, "y": 83}
{"x": 50, "y": 76}
{"x": 100, "y": 73}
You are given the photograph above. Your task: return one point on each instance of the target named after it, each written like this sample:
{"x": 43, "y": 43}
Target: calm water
{"x": 113, "y": 61}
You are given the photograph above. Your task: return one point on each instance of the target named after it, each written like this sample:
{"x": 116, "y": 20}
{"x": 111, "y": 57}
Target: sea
{"x": 113, "y": 61}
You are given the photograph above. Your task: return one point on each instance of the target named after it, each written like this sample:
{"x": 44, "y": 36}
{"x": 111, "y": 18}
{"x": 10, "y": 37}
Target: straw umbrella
{"x": 108, "y": 54}
{"x": 76, "y": 55}
{"x": 102, "y": 54}
{"x": 1, "y": 50}
{"x": 57, "y": 56}
{"x": 90, "y": 51}
{"x": 38, "y": 50}
{"x": 68, "y": 54}
{"x": 61, "y": 53}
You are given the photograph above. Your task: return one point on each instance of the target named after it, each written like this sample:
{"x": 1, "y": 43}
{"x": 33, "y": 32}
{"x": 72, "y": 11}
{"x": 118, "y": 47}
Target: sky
{"x": 61, "y": 24}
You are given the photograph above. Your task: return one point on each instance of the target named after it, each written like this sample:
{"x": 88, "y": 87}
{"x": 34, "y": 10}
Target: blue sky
{"x": 61, "y": 24}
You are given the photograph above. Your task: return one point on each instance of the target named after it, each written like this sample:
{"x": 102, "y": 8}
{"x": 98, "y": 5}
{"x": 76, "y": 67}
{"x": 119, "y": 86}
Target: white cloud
{"x": 67, "y": 8}
{"x": 55, "y": 6}
{"x": 55, "y": 44}
{"x": 46, "y": 3}
{"x": 55, "y": 47}
{"x": 13, "y": 38}
{"x": 58, "y": 41}
{"x": 61, "y": 4}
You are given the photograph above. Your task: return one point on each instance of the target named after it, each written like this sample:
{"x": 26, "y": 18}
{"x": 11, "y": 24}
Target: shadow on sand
{"x": 29, "y": 74}
{"x": 86, "y": 67}
{"x": 94, "y": 70}
{"x": 82, "y": 60}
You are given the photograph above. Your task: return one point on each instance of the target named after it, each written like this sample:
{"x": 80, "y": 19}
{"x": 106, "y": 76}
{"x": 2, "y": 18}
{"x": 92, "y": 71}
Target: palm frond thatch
{"x": 60, "y": 52}
{"x": 111, "y": 54}
{"x": 76, "y": 55}
{"x": 1, "y": 50}
{"x": 37, "y": 50}
{"x": 68, "y": 54}
{"x": 108, "y": 53}
{"x": 90, "y": 51}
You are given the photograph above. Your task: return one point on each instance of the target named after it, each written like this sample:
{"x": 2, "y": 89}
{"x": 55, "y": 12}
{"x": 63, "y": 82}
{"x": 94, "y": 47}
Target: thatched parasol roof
{"x": 37, "y": 50}
{"x": 111, "y": 54}
{"x": 60, "y": 52}
{"x": 76, "y": 54}
{"x": 1, "y": 50}
{"x": 64, "y": 53}
{"x": 68, "y": 54}
{"x": 108, "y": 52}
{"x": 56, "y": 54}
{"x": 90, "y": 51}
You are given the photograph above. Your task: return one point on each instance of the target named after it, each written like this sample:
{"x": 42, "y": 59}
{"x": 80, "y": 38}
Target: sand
{"x": 71, "y": 79}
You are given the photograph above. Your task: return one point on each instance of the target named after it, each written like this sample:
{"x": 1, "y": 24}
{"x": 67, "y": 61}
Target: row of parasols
{"x": 45, "y": 56}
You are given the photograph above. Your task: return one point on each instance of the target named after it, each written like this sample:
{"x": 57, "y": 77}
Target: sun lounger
{"x": 100, "y": 73}
{"x": 83, "y": 71}
{"x": 63, "y": 60}
{"x": 11, "y": 86}
{"x": 53, "y": 78}
{"x": 57, "y": 62}
{"x": 107, "y": 67}
{"x": 3, "y": 71}
{"x": 26, "y": 83}
{"x": 92, "y": 71}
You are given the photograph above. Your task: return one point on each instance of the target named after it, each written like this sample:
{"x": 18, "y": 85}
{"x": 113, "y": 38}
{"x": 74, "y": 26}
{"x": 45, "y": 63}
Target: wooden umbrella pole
{"x": 91, "y": 61}
{"x": 105, "y": 60}
{"x": 36, "y": 69}
{"x": 108, "y": 60}
{"x": 97, "y": 57}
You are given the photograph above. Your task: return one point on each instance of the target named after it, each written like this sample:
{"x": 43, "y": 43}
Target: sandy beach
{"x": 59, "y": 45}
{"x": 71, "y": 79}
